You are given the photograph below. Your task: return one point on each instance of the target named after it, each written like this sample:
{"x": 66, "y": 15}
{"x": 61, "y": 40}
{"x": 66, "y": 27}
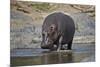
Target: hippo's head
{"x": 49, "y": 37}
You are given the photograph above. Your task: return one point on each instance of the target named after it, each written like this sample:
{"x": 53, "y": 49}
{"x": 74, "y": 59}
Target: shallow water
{"x": 34, "y": 56}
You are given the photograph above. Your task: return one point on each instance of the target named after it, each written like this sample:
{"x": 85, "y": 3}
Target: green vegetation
{"x": 41, "y": 6}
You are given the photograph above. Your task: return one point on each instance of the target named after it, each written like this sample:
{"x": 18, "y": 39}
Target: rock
{"x": 20, "y": 16}
{"x": 21, "y": 30}
{"x": 84, "y": 24}
{"x": 23, "y": 10}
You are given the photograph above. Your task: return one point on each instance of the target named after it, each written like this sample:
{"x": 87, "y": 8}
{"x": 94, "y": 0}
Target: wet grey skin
{"x": 58, "y": 29}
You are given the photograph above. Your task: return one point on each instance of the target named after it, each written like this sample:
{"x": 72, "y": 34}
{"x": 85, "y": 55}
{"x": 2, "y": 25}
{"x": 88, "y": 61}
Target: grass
{"x": 41, "y": 6}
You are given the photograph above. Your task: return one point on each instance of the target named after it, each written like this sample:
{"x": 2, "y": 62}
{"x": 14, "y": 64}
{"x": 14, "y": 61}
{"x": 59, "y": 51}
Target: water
{"x": 37, "y": 56}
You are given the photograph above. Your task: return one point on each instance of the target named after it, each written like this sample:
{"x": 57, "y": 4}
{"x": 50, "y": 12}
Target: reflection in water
{"x": 46, "y": 58}
{"x": 56, "y": 58}
{"x": 80, "y": 53}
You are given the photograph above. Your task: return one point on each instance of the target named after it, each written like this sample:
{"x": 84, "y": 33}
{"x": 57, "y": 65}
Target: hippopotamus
{"x": 57, "y": 30}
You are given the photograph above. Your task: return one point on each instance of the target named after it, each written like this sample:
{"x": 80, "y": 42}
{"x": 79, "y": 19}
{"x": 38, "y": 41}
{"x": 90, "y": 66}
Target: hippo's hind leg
{"x": 70, "y": 45}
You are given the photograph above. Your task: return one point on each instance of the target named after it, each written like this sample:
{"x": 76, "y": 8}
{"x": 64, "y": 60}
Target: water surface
{"x": 37, "y": 56}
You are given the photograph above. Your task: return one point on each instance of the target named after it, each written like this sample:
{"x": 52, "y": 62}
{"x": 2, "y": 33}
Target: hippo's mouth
{"x": 46, "y": 46}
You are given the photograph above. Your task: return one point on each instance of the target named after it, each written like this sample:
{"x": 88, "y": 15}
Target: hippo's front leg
{"x": 59, "y": 44}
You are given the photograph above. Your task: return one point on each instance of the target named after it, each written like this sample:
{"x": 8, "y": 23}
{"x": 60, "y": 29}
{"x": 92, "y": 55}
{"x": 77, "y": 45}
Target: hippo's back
{"x": 64, "y": 23}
